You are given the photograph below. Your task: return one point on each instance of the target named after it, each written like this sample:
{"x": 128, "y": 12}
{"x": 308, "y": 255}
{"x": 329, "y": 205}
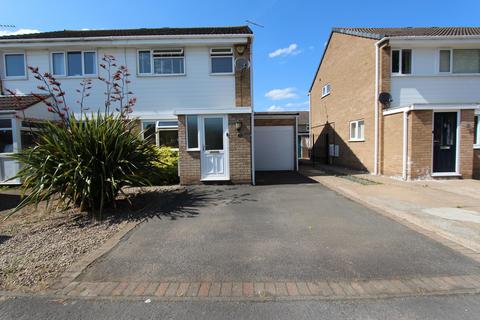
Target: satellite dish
{"x": 385, "y": 98}
{"x": 242, "y": 64}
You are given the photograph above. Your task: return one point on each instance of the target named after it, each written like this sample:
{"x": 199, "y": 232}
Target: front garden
{"x": 87, "y": 175}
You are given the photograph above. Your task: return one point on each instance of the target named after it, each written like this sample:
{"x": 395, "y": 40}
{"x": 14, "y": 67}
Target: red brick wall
{"x": 466, "y": 143}
{"x": 420, "y": 144}
{"x": 189, "y": 161}
{"x": 240, "y": 149}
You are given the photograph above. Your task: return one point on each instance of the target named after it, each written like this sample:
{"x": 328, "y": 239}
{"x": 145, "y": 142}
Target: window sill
{"x": 356, "y": 140}
{"x": 193, "y": 150}
{"x": 222, "y": 74}
{"x": 476, "y": 146}
{"x": 325, "y": 95}
{"x": 86, "y": 76}
{"x": 15, "y": 78}
{"x": 140, "y": 75}
{"x": 446, "y": 174}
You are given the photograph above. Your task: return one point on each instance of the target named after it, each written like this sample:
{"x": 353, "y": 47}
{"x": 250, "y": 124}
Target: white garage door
{"x": 274, "y": 148}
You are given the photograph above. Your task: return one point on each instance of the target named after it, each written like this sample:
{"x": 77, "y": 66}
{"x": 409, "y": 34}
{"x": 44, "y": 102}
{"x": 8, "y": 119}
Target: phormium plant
{"x": 84, "y": 160}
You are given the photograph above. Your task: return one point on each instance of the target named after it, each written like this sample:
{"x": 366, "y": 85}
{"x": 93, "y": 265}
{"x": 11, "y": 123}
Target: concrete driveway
{"x": 276, "y": 232}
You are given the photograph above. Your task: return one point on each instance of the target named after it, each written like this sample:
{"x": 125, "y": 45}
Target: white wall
{"x": 157, "y": 96}
{"x": 426, "y": 85}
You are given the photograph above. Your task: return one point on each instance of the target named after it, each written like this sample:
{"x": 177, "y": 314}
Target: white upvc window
{"x": 445, "y": 59}
{"x": 15, "y": 65}
{"x": 165, "y": 61}
{"x": 357, "y": 130}
{"x": 466, "y": 61}
{"x": 401, "y": 61}
{"x": 221, "y": 61}
{"x": 162, "y": 133}
{"x": 6, "y": 136}
{"x": 326, "y": 90}
{"x": 193, "y": 133}
{"x": 74, "y": 63}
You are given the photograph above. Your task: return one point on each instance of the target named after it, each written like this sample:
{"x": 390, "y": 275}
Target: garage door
{"x": 274, "y": 148}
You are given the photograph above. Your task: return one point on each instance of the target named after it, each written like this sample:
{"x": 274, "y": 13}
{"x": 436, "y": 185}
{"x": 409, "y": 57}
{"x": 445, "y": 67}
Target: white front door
{"x": 214, "y": 160}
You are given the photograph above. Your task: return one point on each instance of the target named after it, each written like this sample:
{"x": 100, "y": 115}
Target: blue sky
{"x": 286, "y": 51}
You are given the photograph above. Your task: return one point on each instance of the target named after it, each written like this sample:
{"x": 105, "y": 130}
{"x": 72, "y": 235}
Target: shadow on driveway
{"x": 266, "y": 178}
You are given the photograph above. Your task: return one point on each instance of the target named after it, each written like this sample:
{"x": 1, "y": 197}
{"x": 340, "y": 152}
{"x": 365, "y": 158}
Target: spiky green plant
{"x": 86, "y": 164}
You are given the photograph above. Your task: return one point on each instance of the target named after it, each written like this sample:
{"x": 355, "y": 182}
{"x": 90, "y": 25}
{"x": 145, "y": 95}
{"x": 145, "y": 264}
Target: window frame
{"x": 65, "y": 64}
{"x": 356, "y": 138}
{"x": 13, "y": 129}
{"x": 462, "y": 73}
{"x": 159, "y": 128}
{"x": 476, "y": 134}
{"x": 198, "y": 133}
{"x": 25, "y": 74}
{"x": 152, "y": 66}
{"x": 326, "y": 89}
{"x": 439, "y": 50}
{"x": 221, "y": 55}
{"x": 400, "y": 62}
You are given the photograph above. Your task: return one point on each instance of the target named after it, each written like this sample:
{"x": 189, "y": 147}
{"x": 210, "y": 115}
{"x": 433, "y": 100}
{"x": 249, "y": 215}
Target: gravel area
{"x": 38, "y": 244}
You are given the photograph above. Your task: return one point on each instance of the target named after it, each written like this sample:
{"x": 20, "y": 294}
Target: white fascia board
{"x": 235, "y": 110}
{"x": 123, "y": 41}
{"x": 434, "y": 106}
{"x": 279, "y": 116}
{"x": 434, "y": 41}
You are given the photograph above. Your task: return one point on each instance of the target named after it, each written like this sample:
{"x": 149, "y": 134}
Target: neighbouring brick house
{"x": 193, "y": 89}
{"x": 399, "y": 101}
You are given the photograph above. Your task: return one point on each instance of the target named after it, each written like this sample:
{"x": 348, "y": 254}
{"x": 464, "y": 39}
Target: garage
{"x": 275, "y": 141}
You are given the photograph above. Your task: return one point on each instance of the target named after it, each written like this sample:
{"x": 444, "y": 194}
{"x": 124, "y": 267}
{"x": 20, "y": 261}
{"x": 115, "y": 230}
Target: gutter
{"x": 111, "y": 38}
{"x": 405, "y": 145}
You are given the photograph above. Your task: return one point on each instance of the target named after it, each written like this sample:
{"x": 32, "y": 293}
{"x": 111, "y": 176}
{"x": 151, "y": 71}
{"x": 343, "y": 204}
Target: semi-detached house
{"x": 193, "y": 88}
{"x": 402, "y": 102}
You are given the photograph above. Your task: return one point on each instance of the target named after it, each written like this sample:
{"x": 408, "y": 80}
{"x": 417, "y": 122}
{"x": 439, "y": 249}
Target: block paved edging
{"x": 429, "y": 232}
{"x": 261, "y": 291}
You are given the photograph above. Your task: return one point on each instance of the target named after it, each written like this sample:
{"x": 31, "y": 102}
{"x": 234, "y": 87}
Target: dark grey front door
{"x": 444, "y": 141}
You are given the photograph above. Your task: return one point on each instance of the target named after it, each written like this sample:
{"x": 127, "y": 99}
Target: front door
{"x": 214, "y": 160}
{"x": 445, "y": 142}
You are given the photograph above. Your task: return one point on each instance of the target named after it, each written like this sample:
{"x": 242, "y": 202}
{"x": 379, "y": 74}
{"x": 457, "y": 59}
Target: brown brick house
{"x": 399, "y": 101}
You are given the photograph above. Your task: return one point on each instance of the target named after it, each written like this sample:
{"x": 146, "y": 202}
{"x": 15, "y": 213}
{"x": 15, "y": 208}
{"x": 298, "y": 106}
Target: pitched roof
{"x": 19, "y": 102}
{"x": 378, "y": 33}
{"x": 134, "y": 32}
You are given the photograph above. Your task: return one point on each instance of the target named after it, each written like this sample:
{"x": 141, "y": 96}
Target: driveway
{"x": 276, "y": 232}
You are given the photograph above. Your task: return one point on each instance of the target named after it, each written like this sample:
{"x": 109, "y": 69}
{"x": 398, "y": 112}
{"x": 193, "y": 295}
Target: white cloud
{"x": 283, "y": 52}
{"x": 297, "y": 104}
{"x": 275, "y": 108}
{"x": 281, "y": 94}
{"x": 17, "y": 32}
{"x": 291, "y": 106}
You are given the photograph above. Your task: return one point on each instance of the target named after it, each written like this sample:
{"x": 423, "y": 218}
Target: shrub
{"x": 166, "y": 164}
{"x": 86, "y": 164}
{"x": 83, "y": 160}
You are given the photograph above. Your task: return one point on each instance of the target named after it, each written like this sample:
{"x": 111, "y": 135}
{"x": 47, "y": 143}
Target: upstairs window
{"x": 14, "y": 65}
{"x": 221, "y": 60}
{"x": 466, "y": 61}
{"x": 326, "y": 90}
{"x": 74, "y": 63}
{"x": 357, "y": 130}
{"x": 445, "y": 61}
{"x": 161, "y": 61}
{"x": 402, "y": 61}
